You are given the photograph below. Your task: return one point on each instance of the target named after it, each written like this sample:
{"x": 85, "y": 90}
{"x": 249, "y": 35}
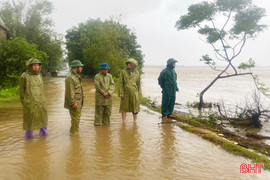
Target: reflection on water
{"x": 129, "y": 150}
{"x": 35, "y": 158}
{"x": 141, "y": 150}
{"x": 167, "y": 146}
{"x": 103, "y": 145}
{"x": 75, "y": 161}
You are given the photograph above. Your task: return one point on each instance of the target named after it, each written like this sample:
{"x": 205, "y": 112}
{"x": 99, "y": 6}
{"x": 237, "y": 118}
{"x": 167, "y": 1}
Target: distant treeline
{"x": 31, "y": 35}
{"x": 96, "y": 41}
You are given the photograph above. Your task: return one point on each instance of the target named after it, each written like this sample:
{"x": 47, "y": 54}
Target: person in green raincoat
{"x": 130, "y": 90}
{"x": 74, "y": 95}
{"x": 104, "y": 85}
{"x": 167, "y": 81}
{"x": 33, "y": 99}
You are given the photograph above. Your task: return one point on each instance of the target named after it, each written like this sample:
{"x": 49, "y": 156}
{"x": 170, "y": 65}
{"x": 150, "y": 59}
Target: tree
{"x": 96, "y": 41}
{"x": 241, "y": 22}
{"x": 31, "y": 20}
{"x": 13, "y": 54}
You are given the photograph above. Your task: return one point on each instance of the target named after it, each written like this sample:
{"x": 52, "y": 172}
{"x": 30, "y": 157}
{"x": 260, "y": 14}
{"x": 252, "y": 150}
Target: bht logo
{"x": 247, "y": 168}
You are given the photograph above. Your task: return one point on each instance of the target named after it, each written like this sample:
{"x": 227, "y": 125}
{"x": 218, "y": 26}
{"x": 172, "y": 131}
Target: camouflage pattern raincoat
{"x": 130, "y": 88}
{"x": 32, "y": 98}
{"x": 74, "y": 94}
{"x": 103, "y": 83}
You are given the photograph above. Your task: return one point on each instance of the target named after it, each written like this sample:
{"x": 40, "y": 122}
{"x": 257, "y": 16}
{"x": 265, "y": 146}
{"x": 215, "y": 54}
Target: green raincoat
{"x": 130, "y": 88}
{"x": 167, "y": 81}
{"x": 103, "y": 83}
{"x": 74, "y": 94}
{"x": 33, "y": 99}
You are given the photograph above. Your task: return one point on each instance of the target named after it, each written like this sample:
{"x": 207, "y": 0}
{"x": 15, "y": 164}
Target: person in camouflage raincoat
{"x": 104, "y": 85}
{"x": 167, "y": 81}
{"x": 74, "y": 95}
{"x": 33, "y": 99}
{"x": 130, "y": 89}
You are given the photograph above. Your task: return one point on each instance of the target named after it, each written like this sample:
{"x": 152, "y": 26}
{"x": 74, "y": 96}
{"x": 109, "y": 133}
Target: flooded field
{"x": 142, "y": 150}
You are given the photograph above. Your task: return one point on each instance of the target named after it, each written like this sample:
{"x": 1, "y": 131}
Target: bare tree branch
{"x": 244, "y": 41}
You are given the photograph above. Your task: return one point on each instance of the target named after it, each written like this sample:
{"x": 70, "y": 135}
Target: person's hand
{"x": 75, "y": 106}
{"x": 106, "y": 95}
{"x": 122, "y": 97}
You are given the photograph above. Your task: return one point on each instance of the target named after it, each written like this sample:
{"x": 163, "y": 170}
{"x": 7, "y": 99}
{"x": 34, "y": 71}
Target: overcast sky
{"x": 153, "y": 22}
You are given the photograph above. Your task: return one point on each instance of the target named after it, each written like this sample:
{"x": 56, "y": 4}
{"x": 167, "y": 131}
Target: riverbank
{"x": 249, "y": 148}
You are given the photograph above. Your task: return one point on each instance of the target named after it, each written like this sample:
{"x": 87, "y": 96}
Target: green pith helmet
{"x": 104, "y": 66}
{"x": 33, "y": 61}
{"x": 171, "y": 60}
{"x": 76, "y": 63}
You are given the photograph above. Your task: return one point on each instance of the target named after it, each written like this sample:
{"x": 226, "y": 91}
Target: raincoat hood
{"x": 171, "y": 60}
{"x": 133, "y": 62}
{"x": 31, "y": 61}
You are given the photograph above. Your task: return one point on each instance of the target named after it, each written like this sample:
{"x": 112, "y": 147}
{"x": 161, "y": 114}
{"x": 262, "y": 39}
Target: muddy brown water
{"x": 142, "y": 150}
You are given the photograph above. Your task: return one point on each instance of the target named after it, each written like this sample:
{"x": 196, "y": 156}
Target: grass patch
{"x": 229, "y": 146}
{"x": 9, "y": 94}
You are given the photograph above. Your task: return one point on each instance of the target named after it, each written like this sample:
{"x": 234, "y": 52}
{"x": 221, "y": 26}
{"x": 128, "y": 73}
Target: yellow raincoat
{"x": 130, "y": 88}
{"x": 32, "y": 98}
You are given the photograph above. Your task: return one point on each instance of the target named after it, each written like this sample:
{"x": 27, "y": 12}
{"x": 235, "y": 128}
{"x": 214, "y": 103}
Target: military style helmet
{"x": 171, "y": 60}
{"x": 104, "y": 66}
{"x": 76, "y": 63}
{"x": 33, "y": 61}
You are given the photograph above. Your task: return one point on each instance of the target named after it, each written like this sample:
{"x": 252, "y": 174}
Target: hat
{"x": 75, "y": 63}
{"x": 104, "y": 66}
{"x": 34, "y": 61}
{"x": 171, "y": 60}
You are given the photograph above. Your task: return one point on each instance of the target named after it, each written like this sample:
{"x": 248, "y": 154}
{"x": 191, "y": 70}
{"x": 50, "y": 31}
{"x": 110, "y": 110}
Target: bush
{"x": 13, "y": 54}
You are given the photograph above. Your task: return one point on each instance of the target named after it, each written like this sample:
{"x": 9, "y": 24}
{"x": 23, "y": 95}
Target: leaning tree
{"x": 226, "y": 25}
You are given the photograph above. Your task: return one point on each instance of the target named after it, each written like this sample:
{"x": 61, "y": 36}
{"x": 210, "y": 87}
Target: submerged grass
{"x": 228, "y": 146}
{"x": 9, "y": 95}
{"x": 208, "y": 131}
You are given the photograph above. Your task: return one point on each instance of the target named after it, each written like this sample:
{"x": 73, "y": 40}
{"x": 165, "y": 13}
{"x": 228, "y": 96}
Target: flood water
{"x": 142, "y": 150}
{"x": 191, "y": 81}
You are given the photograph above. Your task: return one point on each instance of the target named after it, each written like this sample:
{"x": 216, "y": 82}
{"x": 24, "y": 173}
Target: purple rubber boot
{"x": 28, "y": 135}
{"x": 43, "y": 132}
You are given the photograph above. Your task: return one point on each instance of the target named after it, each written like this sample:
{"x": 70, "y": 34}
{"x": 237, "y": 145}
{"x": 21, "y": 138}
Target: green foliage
{"x": 261, "y": 86}
{"x": 212, "y": 34}
{"x": 31, "y": 20}
{"x": 209, "y": 61}
{"x": 246, "y": 21}
{"x": 192, "y": 104}
{"x": 10, "y": 92}
{"x": 232, "y": 5}
{"x": 9, "y": 95}
{"x": 248, "y": 65}
{"x": 197, "y": 13}
{"x": 96, "y": 41}
{"x": 13, "y": 54}
{"x": 246, "y": 18}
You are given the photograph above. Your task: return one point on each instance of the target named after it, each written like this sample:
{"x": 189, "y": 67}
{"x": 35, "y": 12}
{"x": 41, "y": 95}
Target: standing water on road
{"x": 142, "y": 150}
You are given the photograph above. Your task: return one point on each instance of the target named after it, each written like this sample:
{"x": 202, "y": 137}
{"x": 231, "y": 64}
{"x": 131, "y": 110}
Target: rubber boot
{"x": 28, "y": 135}
{"x": 43, "y": 132}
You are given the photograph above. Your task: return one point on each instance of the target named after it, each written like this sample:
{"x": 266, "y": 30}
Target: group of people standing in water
{"x": 34, "y": 104}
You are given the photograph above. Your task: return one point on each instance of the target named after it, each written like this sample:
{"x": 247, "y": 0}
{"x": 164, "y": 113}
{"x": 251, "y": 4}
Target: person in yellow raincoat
{"x": 130, "y": 90}
{"x": 33, "y": 99}
{"x": 104, "y": 85}
{"x": 74, "y": 95}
